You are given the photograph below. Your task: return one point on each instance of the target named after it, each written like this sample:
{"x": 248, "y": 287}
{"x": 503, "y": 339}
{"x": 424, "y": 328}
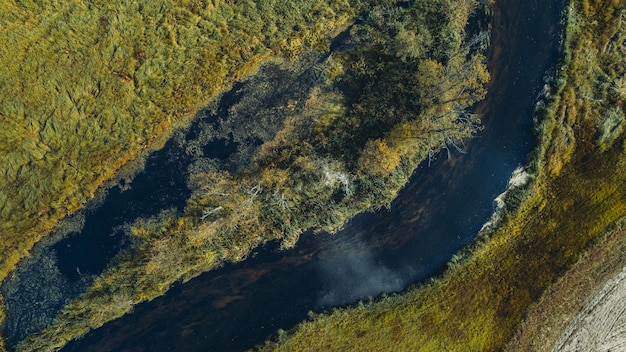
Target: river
{"x": 438, "y": 212}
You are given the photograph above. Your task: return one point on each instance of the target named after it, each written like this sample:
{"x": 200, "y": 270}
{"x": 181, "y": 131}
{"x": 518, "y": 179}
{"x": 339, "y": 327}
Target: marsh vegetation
{"x": 361, "y": 119}
{"x": 88, "y": 86}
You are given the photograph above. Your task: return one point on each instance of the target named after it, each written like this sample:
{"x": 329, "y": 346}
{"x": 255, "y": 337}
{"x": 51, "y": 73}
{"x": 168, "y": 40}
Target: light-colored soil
{"x": 601, "y": 326}
{"x": 584, "y": 310}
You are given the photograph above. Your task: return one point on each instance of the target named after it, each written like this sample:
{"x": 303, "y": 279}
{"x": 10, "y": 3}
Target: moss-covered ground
{"x": 578, "y": 192}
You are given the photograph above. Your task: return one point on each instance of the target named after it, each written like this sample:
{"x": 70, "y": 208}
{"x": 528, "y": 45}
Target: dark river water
{"x": 439, "y": 211}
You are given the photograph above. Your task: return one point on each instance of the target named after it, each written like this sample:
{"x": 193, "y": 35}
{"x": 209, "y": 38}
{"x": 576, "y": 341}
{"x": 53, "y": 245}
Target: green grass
{"x": 87, "y": 86}
{"x": 350, "y": 146}
{"x": 578, "y": 193}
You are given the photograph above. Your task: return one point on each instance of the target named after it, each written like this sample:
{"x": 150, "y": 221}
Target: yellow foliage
{"x": 378, "y": 158}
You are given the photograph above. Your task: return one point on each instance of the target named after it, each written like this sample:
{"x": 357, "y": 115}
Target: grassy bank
{"x": 547, "y": 319}
{"x": 87, "y": 86}
{"x": 395, "y": 94}
{"x": 578, "y": 192}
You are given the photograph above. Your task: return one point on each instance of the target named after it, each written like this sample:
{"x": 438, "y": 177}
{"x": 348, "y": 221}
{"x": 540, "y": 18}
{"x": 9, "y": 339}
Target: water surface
{"x": 437, "y": 213}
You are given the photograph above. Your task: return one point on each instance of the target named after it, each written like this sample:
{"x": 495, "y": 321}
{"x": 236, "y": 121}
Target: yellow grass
{"x": 87, "y": 86}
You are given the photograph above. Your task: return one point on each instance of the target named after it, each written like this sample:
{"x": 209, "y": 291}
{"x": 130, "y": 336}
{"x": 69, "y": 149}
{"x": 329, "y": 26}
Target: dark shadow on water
{"x": 57, "y": 273}
{"x": 223, "y": 137}
{"x": 437, "y": 213}
{"x": 161, "y": 185}
{"x": 102, "y": 237}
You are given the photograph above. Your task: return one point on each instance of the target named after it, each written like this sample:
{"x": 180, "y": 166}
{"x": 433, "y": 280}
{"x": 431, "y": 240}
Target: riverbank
{"x": 576, "y": 195}
{"x": 89, "y": 87}
{"x": 96, "y": 87}
{"x": 349, "y": 145}
{"x": 548, "y": 319}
